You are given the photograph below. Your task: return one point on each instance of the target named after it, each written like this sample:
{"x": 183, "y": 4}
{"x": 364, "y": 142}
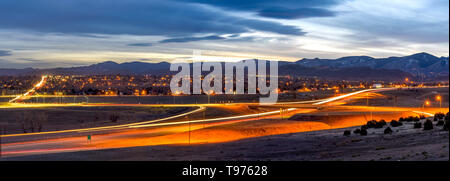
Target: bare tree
{"x": 41, "y": 119}
{"x": 31, "y": 121}
{"x": 114, "y": 117}
{"x": 22, "y": 119}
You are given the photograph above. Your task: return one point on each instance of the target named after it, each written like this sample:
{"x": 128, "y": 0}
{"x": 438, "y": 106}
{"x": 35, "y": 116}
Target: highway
{"x": 169, "y": 130}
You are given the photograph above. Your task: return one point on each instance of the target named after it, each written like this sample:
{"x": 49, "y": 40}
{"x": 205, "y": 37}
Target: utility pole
{"x": 204, "y": 118}
{"x": 439, "y": 98}
{"x": 367, "y": 102}
{"x": 189, "y": 122}
{"x": 1, "y": 133}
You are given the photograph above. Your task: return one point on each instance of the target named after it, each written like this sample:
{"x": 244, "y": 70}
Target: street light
{"x": 367, "y": 102}
{"x": 439, "y": 98}
{"x": 426, "y": 103}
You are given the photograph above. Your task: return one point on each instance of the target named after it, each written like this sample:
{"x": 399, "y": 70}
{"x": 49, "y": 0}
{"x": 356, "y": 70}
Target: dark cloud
{"x": 5, "y": 53}
{"x": 190, "y": 39}
{"x": 30, "y": 60}
{"x": 281, "y": 9}
{"x": 140, "y": 44}
{"x": 136, "y": 17}
{"x": 296, "y": 13}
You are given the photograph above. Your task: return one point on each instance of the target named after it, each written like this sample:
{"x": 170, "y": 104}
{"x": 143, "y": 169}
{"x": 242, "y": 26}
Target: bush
{"x": 428, "y": 125}
{"x": 440, "y": 123}
{"x": 347, "y": 133}
{"x": 439, "y": 115}
{"x": 401, "y": 119}
{"x": 357, "y": 131}
{"x": 417, "y": 125}
{"x": 446, "y": 125}
{"x": 363, "y": 132}
{"x": 388, "y": 130}
{"x": 422, "y": 116}
{"x": 371, "y": 124}
{"x": 380, "y": 124}
{"x": 364, "y": 127}
{"x": 395, "y": 123}
{"x": 411, "y": 118}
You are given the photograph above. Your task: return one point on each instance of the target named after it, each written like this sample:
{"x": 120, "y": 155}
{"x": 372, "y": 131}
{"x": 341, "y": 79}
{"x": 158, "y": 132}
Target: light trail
{"x": 37, "y": 86}
{"x": 347, "y": 95}
{"x": 147, "y": 123}
{"x": 153, "y": 123}
{"x": 106, "y": 127}
{"x": 420, "y": 112}
{"x": 213, "y": 119}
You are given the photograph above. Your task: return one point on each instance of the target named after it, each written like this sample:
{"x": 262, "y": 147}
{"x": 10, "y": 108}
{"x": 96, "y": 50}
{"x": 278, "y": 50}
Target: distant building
{"x": 377, "y": 86}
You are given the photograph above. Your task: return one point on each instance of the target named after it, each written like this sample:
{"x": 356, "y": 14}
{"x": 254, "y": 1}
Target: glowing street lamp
{"x": 426, "y": 103}
{"x": 439, "y": 98}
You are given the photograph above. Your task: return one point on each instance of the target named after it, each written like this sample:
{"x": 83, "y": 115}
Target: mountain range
{"x": 421, "y": 66}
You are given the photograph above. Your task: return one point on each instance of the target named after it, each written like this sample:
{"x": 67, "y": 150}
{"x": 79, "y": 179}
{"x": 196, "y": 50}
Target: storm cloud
{"x": 190, "y": 39}
{"x": 141, "y": 44}
{"x": 280, "y": 9}
{"x": 5, "y": 53}
{"x": 135, "y": 17}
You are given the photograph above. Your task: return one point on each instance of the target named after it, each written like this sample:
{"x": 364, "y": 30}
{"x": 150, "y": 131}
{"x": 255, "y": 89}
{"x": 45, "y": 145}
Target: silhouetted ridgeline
{"x": 421, "y": 66}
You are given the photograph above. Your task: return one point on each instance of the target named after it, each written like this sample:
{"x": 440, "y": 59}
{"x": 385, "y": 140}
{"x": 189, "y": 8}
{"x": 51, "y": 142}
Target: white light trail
{"x": 213, "y": 119}
{"x": 37, "y": 86}
{"x": 420, "y": 112}
{"x": 347, "y": 95}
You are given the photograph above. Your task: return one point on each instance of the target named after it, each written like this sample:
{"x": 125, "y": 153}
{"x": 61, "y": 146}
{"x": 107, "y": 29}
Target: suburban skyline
{"x": 46, "y": 34}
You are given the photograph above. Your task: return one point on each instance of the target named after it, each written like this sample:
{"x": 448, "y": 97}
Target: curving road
{"x": 75, "y": 139}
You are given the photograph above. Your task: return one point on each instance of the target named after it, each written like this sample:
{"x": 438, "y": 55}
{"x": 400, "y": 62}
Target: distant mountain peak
{"x": 423, "y": 55}
{"x": 107, "y": 63}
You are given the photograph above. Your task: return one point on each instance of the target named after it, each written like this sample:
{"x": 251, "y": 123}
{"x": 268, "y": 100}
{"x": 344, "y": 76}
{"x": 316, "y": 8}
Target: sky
{"x": 67, "y": 33}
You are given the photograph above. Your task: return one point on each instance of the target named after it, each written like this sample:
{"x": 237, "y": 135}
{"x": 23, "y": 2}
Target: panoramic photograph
{"x": 218, "y": 81}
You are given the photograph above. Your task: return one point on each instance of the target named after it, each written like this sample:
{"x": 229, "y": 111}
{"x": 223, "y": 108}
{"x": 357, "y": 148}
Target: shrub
{"x": 416, "y": 119}
{"x": 401, "y": 119}
{"x": 347, "y": 133}
{"x": 440, "y": 123}
{"x": 446, "y": 125}
{"x": 409, "y": 119}
{"x": 428, "y": 125}
{"x": 363, "y": 132}
{"x": 439, "y": 115}
{"x": 417, "y": 125}
{"x": 380, "y": 124}
{"x": 422, "y": 116}
{"x": 371, "y": 124}
{"x": 395, "y": 123}
{"x": 357, "y": 131}
{"x": 364, "y": 127}
{"x": 388, "y": 130}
